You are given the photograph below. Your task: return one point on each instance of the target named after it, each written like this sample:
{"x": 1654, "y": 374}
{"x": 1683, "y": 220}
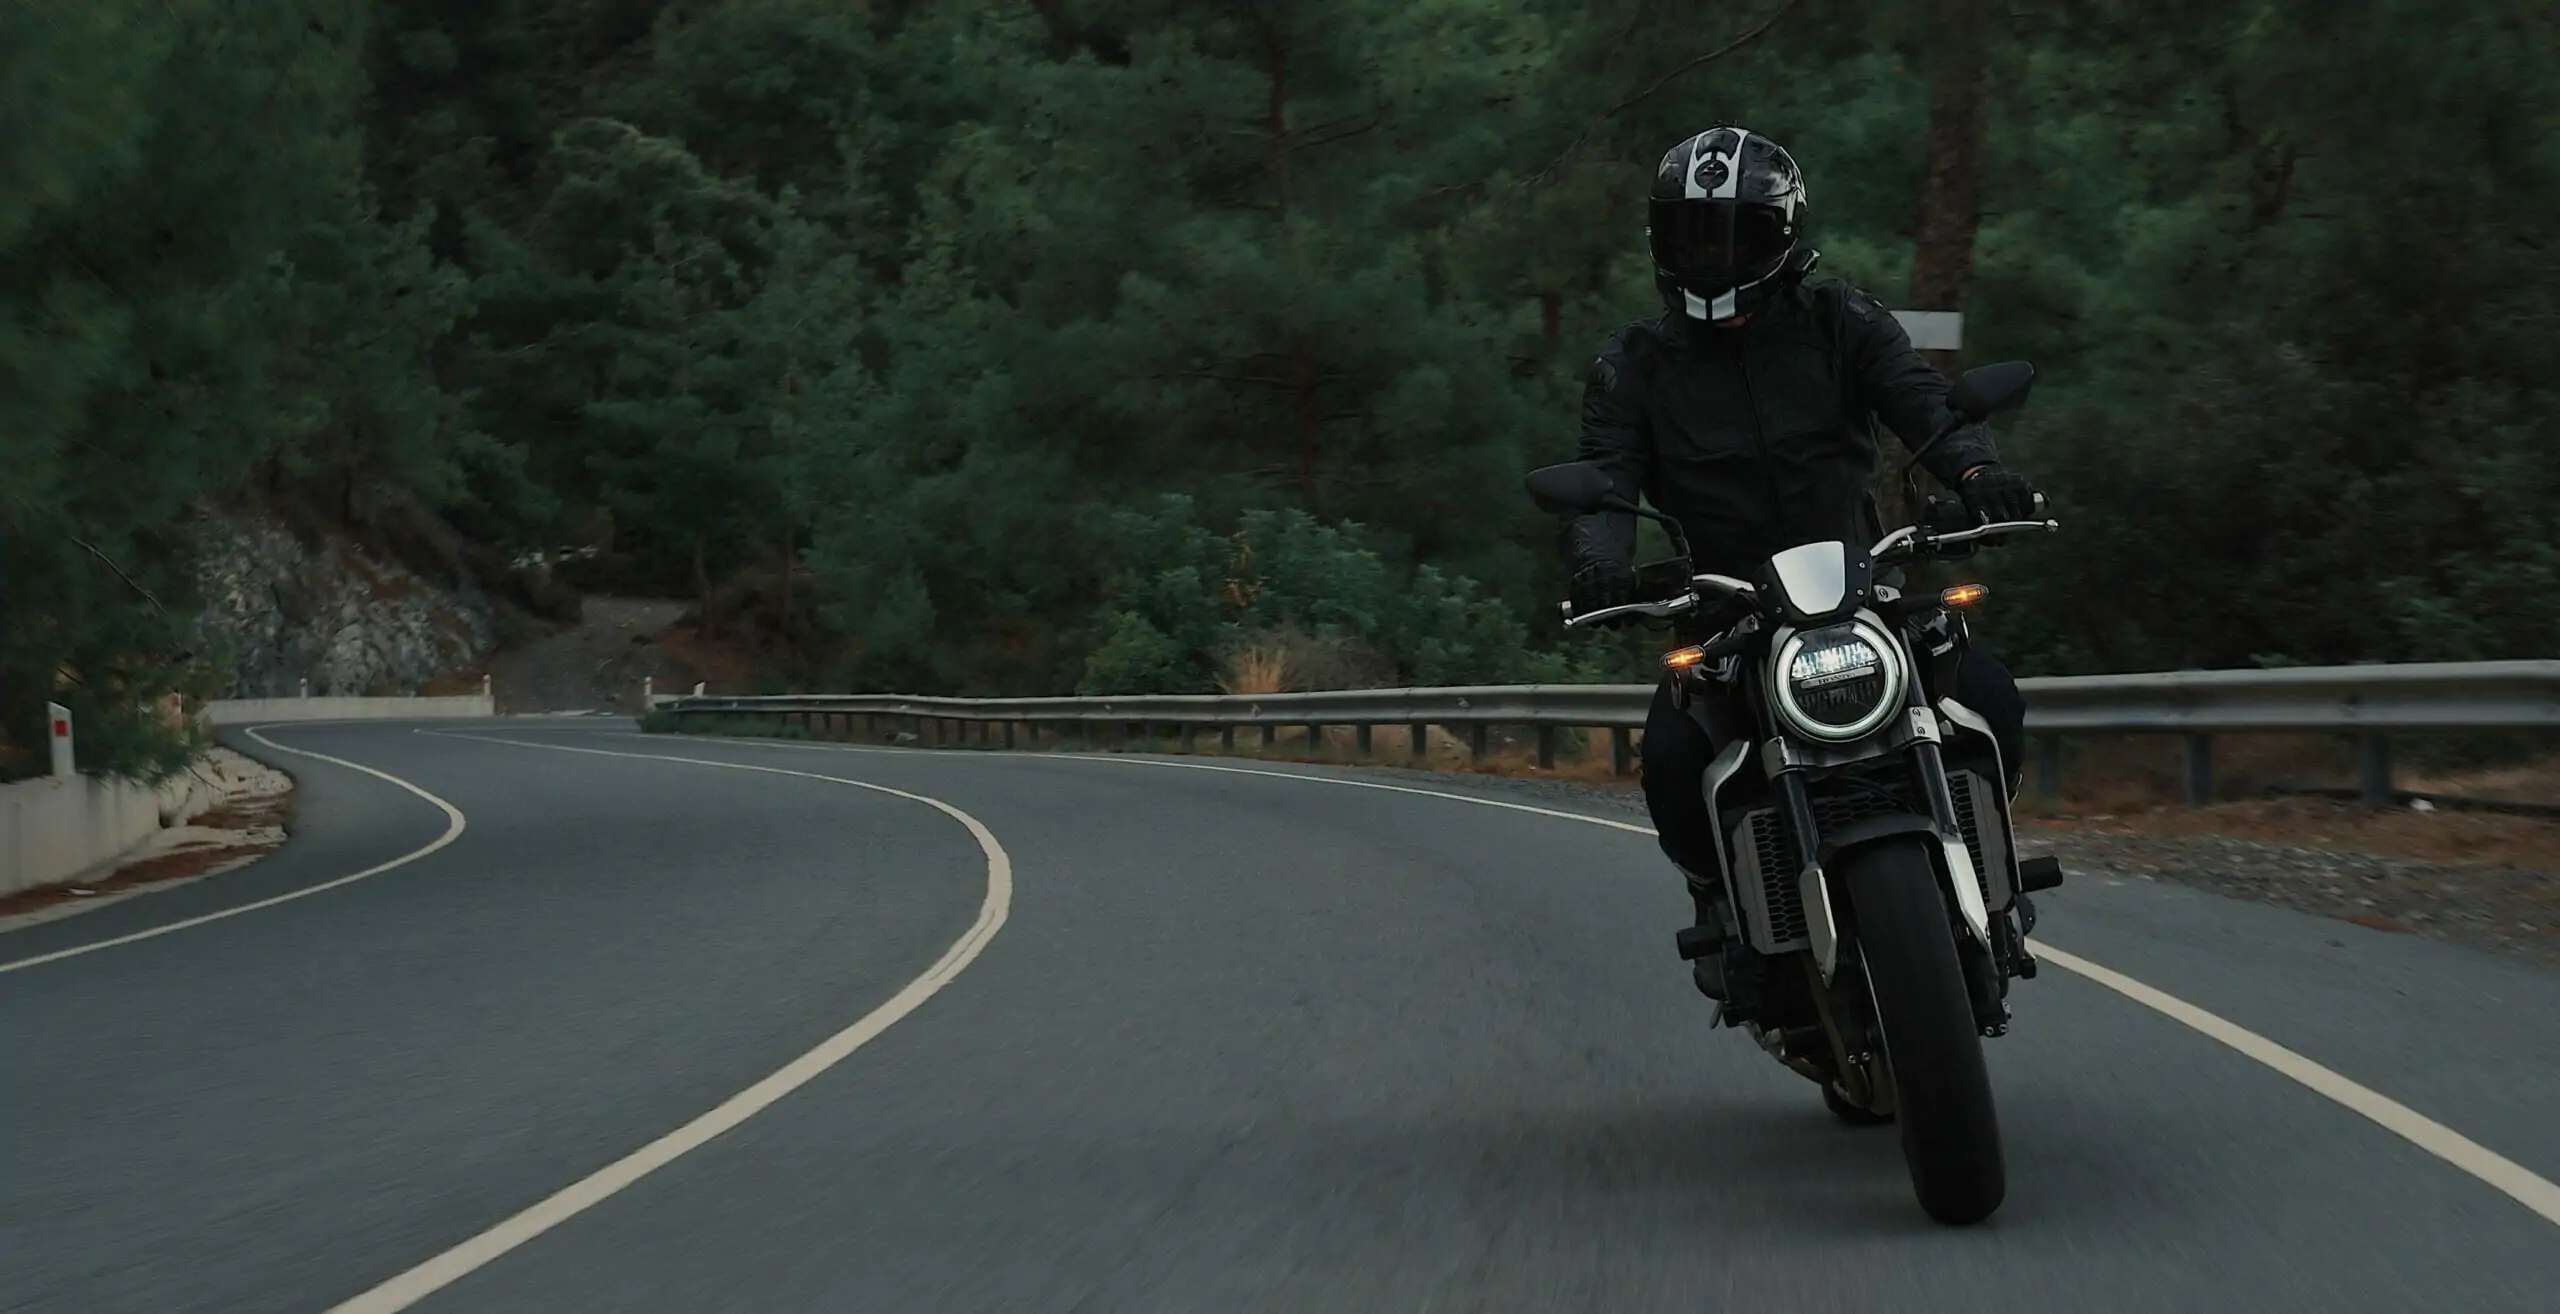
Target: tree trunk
{"x": 787, "y": 573}
{"x": 702, "y": 584}
{"x": 1310, "y": 424}
{"x": 1951, "y": 189}
{"x": 1951, "y": 192}
{"x": 1275, "y": 48}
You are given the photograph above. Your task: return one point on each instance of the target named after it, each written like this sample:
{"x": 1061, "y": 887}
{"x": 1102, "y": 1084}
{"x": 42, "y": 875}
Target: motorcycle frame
{"x": 1792, "y": 765}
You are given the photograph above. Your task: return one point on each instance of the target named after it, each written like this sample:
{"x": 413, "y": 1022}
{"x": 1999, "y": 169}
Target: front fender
{"x": 1954, "y": 865}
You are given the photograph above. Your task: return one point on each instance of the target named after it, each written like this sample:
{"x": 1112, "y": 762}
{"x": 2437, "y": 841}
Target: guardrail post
{"x": 1008, "y": 736}
{"x": 1478, "y": 736}
{"x": 1360, "y": 738}
{"x": 1315, "y": 740}
{"x": 2199, "y": 770}
{"x": 1227, "y": 739}
{"x": 2373, "y": 768}
{"x": 58, "y": 724}
{"x": 1190, "y": 736}
{"x": 1270, "y": 734}
{"x": 2049, "y": 768}
{"x": 1546, "y": 748}
{"x": 1621, "y": 750}
{"x": 1421, "y": 739}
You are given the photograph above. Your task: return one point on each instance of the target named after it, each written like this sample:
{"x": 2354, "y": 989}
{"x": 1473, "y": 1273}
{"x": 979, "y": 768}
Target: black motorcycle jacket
{"x": 1762, "y": 437}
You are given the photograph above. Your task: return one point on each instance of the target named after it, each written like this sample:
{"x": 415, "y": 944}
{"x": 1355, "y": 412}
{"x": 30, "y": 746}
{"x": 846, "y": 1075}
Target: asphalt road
{"x": 1239, "y": 1043}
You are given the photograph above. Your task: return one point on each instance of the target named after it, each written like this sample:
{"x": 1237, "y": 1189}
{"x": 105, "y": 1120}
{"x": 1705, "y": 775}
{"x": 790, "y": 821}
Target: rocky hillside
{"x": 282, "y": 606}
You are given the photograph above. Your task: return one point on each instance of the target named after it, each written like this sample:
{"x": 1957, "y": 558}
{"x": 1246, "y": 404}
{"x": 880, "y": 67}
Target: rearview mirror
{"x": 1987, "y": 390}
{"x": 1574, "y": 488}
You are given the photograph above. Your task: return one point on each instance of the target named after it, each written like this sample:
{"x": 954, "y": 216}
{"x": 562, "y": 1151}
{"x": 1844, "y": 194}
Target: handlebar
{"x": 1902, "y": 544}
{"x": 1911, "y": 540}
{"x": 1723, "y": 586}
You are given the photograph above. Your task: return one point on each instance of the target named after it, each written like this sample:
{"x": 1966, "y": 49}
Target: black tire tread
{"x": 1950, "y": 1129}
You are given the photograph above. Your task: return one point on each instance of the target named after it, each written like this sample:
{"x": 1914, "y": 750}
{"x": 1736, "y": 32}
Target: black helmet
{"x": 1726, "y": 219}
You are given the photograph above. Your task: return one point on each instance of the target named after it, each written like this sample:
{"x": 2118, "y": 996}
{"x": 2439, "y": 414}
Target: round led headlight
{"x": 1840, "y": 682}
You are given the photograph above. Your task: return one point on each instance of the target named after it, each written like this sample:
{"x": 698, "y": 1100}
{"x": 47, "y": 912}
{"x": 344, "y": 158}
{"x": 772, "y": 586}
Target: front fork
{"x": 1984, "y": 982}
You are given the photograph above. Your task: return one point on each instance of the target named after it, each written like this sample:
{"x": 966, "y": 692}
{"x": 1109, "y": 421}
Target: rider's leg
{"x": 1676, "y": 753}
{"x": 1986, "y": 686}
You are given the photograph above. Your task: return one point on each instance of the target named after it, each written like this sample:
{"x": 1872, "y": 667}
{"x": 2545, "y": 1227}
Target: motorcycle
{"x": 1876, "y": 907}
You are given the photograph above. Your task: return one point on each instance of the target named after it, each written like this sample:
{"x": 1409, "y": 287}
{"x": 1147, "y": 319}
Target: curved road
{"x": 1204, "y": 1039}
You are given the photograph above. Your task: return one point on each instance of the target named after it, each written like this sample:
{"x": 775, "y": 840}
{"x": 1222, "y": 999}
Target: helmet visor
{"x": 1718, "y": 244}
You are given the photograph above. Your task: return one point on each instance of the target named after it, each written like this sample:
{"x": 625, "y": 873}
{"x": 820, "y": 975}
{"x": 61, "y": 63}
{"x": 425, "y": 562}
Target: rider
{"x": 1746, "y": 411}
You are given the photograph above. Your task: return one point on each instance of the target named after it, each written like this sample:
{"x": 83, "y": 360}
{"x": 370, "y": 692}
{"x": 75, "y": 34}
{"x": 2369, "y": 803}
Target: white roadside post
{"x": 305, "y": 690}
{"x": 1933, "y": 330}
{"x": 648, "y": 692}
{"x": 59, "y": 718}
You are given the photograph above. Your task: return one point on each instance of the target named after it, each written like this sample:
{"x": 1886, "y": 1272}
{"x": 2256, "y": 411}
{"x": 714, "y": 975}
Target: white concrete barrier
{"x": 250, "y": 711}
{"x": 55, "y": 829}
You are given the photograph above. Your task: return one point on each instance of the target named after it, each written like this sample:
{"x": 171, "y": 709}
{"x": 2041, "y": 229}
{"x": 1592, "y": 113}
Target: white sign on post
{"x": 58, "y": 718}
{"x": 1933, "y": 330}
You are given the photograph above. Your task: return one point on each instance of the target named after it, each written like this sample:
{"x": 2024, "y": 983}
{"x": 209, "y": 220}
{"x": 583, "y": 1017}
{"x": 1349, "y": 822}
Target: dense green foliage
{"x": 1027, "y": 345}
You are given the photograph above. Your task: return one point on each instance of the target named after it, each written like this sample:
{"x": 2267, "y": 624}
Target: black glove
{"x": 1997, "y": 495}
{"x": 1601, "y": 550}
{"x": 1601, "y": 581}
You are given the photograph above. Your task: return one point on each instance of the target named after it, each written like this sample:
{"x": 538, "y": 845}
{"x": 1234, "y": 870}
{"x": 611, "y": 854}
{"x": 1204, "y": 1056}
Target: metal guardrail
{"x": 2371, "y": 702}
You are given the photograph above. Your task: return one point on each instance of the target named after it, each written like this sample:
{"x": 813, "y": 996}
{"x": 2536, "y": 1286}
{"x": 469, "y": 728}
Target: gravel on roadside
{"x": 2509, "y": 910}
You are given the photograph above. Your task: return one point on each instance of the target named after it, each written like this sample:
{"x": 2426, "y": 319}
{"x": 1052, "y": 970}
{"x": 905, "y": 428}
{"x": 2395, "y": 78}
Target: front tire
{"x": 1942, "y": 1089}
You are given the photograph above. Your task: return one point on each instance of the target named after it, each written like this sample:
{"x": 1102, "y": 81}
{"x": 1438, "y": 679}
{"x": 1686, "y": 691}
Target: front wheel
{"x": 1942, "y": 1090}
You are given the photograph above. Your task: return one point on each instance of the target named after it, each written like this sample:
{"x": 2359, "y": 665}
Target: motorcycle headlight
{"x": 1840, "y": 682}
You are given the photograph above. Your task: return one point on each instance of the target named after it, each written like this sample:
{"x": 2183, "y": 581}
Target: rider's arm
{"x": 1906, "y": 393}
{"x": 1616, "y": 438}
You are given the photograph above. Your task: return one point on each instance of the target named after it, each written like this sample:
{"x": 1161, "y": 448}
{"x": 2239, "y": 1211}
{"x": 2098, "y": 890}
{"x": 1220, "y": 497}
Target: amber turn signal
{"x": 1681, "y": 659}
{"x": 1964, "y": 595}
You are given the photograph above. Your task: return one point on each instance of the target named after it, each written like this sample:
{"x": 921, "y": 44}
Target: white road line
{"x": 2534, "y": 1192}
{"x": 454, "y": 824}
{"x": 2510, "y": 1178}
{"x": 424, "y": 1280}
